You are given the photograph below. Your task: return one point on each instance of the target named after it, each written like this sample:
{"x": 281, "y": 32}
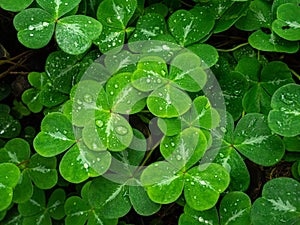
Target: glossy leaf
{"x": 10, "y": 175}
{"x": 207, "y": 54}
{"x": 194, "y": 217}
{"x": 185, "y": 26}
{"x": 35, "y": 27}
{"x": 275, "y": 206}
{"x": 284, "y": 118}
{"x": 56, "y": 135}
{"x": 287, "y": 24}
{"x": 271, "y": 43}
{"x": 210, "y": 180}
{"x": 15, "y": 6}
{"x": 42, "y": 171}
{"x": 79, "y": 31}
{"x": 9, "y": 127}
{"x": 235, "y": 209}
{"x": 15, "y": 151}
{"x": 254, "y": 139}
{"x": 58, "y": 8}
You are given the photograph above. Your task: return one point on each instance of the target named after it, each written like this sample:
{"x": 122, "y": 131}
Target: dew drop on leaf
{"x": 88, "y": 98}
{"x": 178, "y": 157}
{"x": 121, "y": 130}
{"x": 99, "y": 123}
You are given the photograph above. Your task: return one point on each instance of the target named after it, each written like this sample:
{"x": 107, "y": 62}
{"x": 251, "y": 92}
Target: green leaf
{"x": 80, "y": 163}
{"x": 254, "y": 139}
{"x": 259, "y": 15}
{"x": 35, "y": 27}
{"x": 185, "y": 149}
{"x": 287, "y": 24}
{"x": 168, "y": 101}
{"x": 150, "y": 73}
{"x": 56, "y": 135}
{"x": 87, "y": 96}
{"x": 185, "y": 26}
{"x": 209, "y": 180}
{"x": 271, "y": 43}
{"x": 194, "y": 217}
{"x": 275, "y": 206}
{"x": 162, "y": 182}
{"x": 230, "y": 16}
{"x": 74, "y": 34}
{"x": 234, "y": 86}
{"x": 42, "y": 171}
{"x": 9, "y": 127}
{"x": 158, "y": 8}
{"x": 141, "y": 202}
{"x": 58, "y": 8}
{"x": 235, "y": 209}
{"x": 292, "y": 143}
{"x": 148, "y": 27}
{"x": 24, "y": 189}
{"x": 55, "y": 204}
{"x": 15, "y": 5}
{"x": 112, "y": 198}
{"x": 31, "y": 98}
{"x": 10, "y": 175}
{"x": 123, "y": 97}
{"x": 15, "y": 151}
{"x": 116, "y": 13}
{"x": 284, "y": 118}
{"x": 207, "y": 54}
{"x": 186, "y": 72}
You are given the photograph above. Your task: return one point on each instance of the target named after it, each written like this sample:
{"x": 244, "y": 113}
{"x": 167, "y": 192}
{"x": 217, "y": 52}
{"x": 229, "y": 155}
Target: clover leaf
{"x": 271, "y": 42}
{"x": 123, "y": 180}
{"x": 164, "y": 184}
{"x": 79, "y": 210}
{"x": 57, "y": 136}
{"x": 10, "y": 175}
{"x": 114, "y": 15}
{"x": 287, "y": 24}
{"x": 36, "y": 26}
{"x": 15, "y": 6}
{"x": 284, "y": 118}
{"x": 275, "y": 206}
{"x": 185, "y": 25}
{"x": 254, "y": 139}
{"x": 9, "y": 126}
{"x": 235, "y": 209}
{"x": 36, "y": 211}
{"x": 263, "y": 82}
{"x": 194, "y": 217}
{"x": 152, "y": 75}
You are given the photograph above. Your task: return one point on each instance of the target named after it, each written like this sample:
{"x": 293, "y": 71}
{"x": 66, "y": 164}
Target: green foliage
{"x": 139, "y": 107}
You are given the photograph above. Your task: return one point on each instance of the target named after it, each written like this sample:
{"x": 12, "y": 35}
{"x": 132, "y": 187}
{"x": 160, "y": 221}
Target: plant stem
{"x": 186, "y": 4}
{"x": 295, "y": 74}
{"x": 149, "y": 154}
{"x": 233, "y": 49}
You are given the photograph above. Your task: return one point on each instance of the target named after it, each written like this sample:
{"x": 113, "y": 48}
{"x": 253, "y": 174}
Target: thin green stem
{"x": 233, "y": 49}
{"x": 295, "y": 74}
{"x": 186, "y": 4}
{"x": 149, "y": 154}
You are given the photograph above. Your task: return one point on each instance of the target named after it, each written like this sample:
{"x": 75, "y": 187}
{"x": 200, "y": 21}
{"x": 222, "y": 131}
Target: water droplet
{"x": 99, "y": 123}
{"x": 98, "y": 159}
{"x": 158, "y": 81}
{"x": 85, "y": 165}
{"x": 116, "y": 86}
{"x": 148, "y": 81}
{"x": 121, "y": 130}
{"x": 88, "y": 98}
{"x": 111, "y": 93}
{"x": 31, "y": 35}
{"x": 108, "y": 19}
{"x": 172, "y": 144}
{"x": 79, "y": 102}
{"x": 178, "y": 157}
{"x": 166, "y": 145}
{"x": 223, "y": 129}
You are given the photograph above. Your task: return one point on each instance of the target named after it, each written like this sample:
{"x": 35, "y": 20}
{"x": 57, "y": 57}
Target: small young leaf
{"x": 235, "y": 209}
{"x": 79, "y": 31}
{"x": 9, "y": 127}
{"x": 275, "y": 206}
{"x": 35, "y": 27}
{"x": 284, "y": 119}
{"x": 55, "y": 204}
